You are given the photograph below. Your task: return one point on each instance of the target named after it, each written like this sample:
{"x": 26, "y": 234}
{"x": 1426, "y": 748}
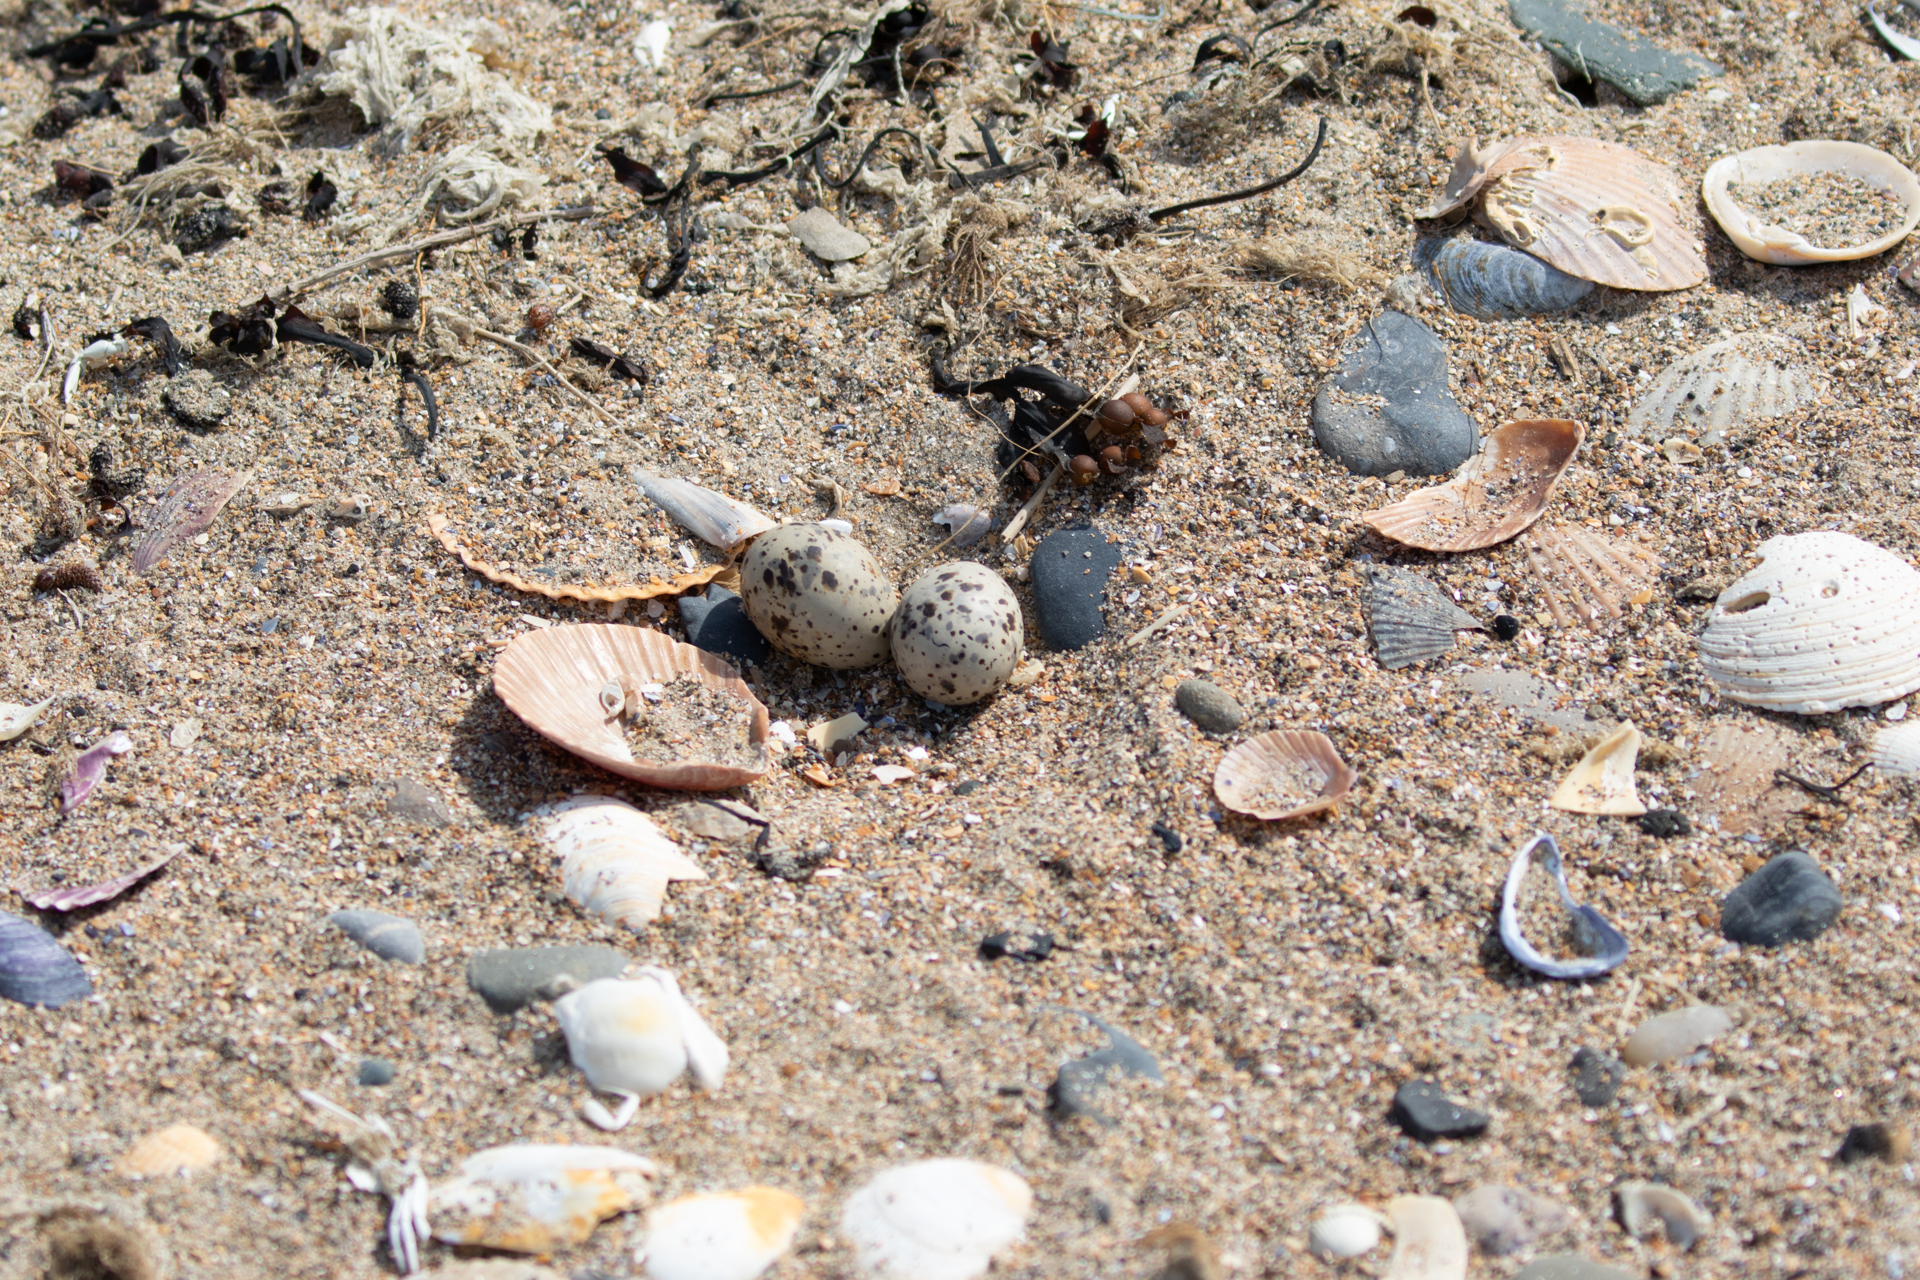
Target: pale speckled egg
{"x": 958, "y": 634}
{"x": 819, "y": 596}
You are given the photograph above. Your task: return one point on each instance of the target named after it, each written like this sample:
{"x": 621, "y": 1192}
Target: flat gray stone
{"x": 411, "y": 802}
{"x": 389, "y": 937}
{"x": 826, "y": 237}
{"x": 1069, "y": 572}
{"x": 1790, "y": 899}
{"x": 375, "y": 1072}
{"x": 1081, "y": 1081}
{"x": 1210, "y": 707}
{"x": 1387, "y": 408}
{"x": 1570, "y": 1266}
{"x": 1597, "y": 1076}
{"x": 514, "y": 977}
{"x": 197, "y": 400}
{"x": 1601, "y": 51}
{"x": 722, "y": 821}
{"x": 1528, "y": 694}
{"x": 1426, "y": 1113}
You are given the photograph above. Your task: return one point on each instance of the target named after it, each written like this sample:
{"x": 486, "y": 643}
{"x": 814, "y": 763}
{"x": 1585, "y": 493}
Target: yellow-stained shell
{"x": 535, "y": 1198}
{"x": 1285, "y": 773}
{"x": 1768, "y": 242}
{"x": 1603, "y": 780}
{"x": 1494, "y": 495}
{"x": 178, "y": 1148}
{"x": 721, "y": 1235}
{"x": 552, "y": 679}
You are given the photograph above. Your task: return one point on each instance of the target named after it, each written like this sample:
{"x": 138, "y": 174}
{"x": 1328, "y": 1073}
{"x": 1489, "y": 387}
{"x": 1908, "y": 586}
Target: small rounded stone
{"x": 1210, "y": 707}
{"x": 375, "y": 1072}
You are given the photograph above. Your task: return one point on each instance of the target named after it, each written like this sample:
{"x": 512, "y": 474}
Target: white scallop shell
{"x": 1345, "y": 1231}
{"x": 634, "y": 1037}
{"x": 1586, "y": 576}
{"x": 935, "y": 1219}
{"x": 537, "y": 1197}
{"x": 1826, "y": 621}
{"x": 1769, "y": 243}
{"x": 1603, "y": 780}
{"x": 724, "y": 1235}
{"x": 178, "y": 1148}
{"x": 1430, "y": 1243}
{"x": 1725, "y": 385}
{"x": 1896, "y": 750}
{"x": 614, "y": 862}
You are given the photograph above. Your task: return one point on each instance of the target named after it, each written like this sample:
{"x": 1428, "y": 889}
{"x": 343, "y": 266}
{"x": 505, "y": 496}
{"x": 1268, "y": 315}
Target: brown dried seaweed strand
{"x": 437, "y": 525}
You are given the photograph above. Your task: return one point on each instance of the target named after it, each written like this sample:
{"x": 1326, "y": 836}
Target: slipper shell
{"x": 178, "y": 1148}
{"x": 614, "y": 862}
{"x": 1603, "y": 946}
{"x": 1585, "y": 576}
{"x": 1725, "y": 385}
{"x": 1429, "y": 1241}
{"x": 552, "y": 678}
{"x": 1641, "y": 1205}
{"x": 35, "y": 968}
{"x": 538, "y": 1197}
{"x": 1603, "y": 780}
{"x": 1826, "y": 621}
{"x": 1411, "y": 619}
{"x": 1494, "y": 495}
{"x": 1495, "y": 282}
{"x": 935, "y": 1219}
{"x": 1895, "y": 750}
{"x": 1767, "y": 242}
{"x": 1285, "y": 773}
{"x": 724, "y": 1235}
{"x": 714, "y": 518}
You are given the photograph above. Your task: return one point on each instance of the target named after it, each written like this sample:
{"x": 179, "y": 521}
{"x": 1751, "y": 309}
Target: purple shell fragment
{"x": 35, "y": 968}
{"x": 967, "y": 524}
{"x": 89, "y": 895}
{"x": 187, "y": 509}
{"x": 1601, "y": 946}
{"x": 90, "y": 767}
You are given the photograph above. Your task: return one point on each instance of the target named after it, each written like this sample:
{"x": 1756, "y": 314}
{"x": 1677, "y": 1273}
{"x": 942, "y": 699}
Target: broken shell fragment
{"x": 90, "y": 767}
{"x": 1345, "y": 1231}
{"x": 635, "y": 1036}
{"x": 178, "y": 1148}
{"x": 1495, "y": 282}
{"x": 283, "y": 505}
{"x": 723, "y": 1235}
{"x": 1826, "y": 621}
{"x": 935, "y": 1219}
{"x": 1429, "y": 1242}
{"x": 1603, "y": 780}
{"x": 965, "y": 524}
{"x": 1285, "y": 773}
{"x": 1896, "y": 750}
{"x": 1598, "y": 944}
{"x": 711, "y": 517}
{"x": 1724, "y": 386}
{"x": 1666, "y": 1036}
{"x": 1644, "y": 1205}
{"x": 72, "y": 899}
{"x": 35, "y": 969}
{"x": 351, "y": 509}
{"x": 1586, "y": 576}
{"x": 653, "y": 588}
{"x": 1803, "y": 163}
{"x": 187, "y": 508}
{"x": 1411, "y": 619}
{"x": 16, "y": 720}
{"x": 1681, "y": 452}
{"x": 614, "y": 862}
{"x": 1494, "y": 495}
{"x": 537, "y": 1197}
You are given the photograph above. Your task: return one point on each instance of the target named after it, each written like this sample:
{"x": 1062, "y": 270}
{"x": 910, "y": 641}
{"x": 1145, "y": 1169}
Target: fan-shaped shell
{"x": 1429, "y": 1241}
{"x": 1472, "y": 169}
{"x": 1896, "y": 750}
{"x": 35, "y": 968}
{"x": 1737, "y": 792}
{"x": 614, "y": 862}
{"x": 188, "y": 507}
{"x": 1826, "y": 621}
{"x": 1602, "y": 945}
{"x": 1586, "y": 576}
{"x": 724, "y": 1235}
{"x": 1411, "y": 619}
{"x": 1345, "y": 1231}
{"x": 1603, "y": 780}
{"x": 178, "y": 1148}
{"x": 552, "y": 679}
{"x": 935, "y": 1219}
{"x": 1768, "y": 242}
{"x": 1495, "y": 282}
{"x": 712, "y": 517}
{"x": 1725, "y": 385}
{"x": 1494, "y": 495}
{"x": 538, "y": 1197}
{"x": 1285, "y": 773}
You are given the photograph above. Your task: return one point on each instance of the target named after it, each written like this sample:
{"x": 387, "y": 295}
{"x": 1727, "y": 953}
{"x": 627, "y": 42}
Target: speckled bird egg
{"x": 958, "y": 634}
{"x": 818, "y": 595}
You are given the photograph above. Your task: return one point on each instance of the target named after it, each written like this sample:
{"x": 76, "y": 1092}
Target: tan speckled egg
{"x": 958, "y": 634}
{"x": 818, "y": 595}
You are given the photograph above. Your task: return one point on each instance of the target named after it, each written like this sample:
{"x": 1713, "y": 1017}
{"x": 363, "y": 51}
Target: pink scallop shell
{"x": 1290, "y": 757}
{"x": 1494, "y": 495}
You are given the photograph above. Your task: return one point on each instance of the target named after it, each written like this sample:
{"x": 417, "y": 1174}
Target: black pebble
{"x": 205, "y": 227}
{"x": 1665, "y": 823}
{"x": 1788, "y": 900}
{"x": 1168, "y": 837}
{"x": 1873, "y": 1142}
{"x": 375, "y": 1072}
{"x": 1596, "y": 1076}
{"x": 1505, "y": 627}
{"x": 719, "y": 624}
{"x": 968, "y": 787}
{"x": 1069, "y": 570}
{"x": 1425, "y": 1113}
{"x": 1029, "y": 946}
{"x": 401, "y": 300}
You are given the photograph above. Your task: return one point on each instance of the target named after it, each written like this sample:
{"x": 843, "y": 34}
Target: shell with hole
{"x": 1724, "y": 386}
{"x": 1411, "y": 619}
{"x": 935, "y": 1219}
{"x": 1494, "y": 495}
{"x": 1429, "y": 1241}
{"x": 176, "y": 1149}
{"x": 1587, "y": 577}
{"x": 1495, "y": 282}
{"x": 1285, "y": 773}
{"x": 537, "y": 1197}
{"x": 632, "y": 1037}
{"x": 1826, "y": 621}
{"x": 720, "y": 1235}
{"x": 1801, "y": 163}
{"x": 1603, "y": 780}
{"x": 1895, "y": 750}
{"x": 556, "y": 679}
{"x": 1597, "y": 945}
{"x": 614, "y": 861}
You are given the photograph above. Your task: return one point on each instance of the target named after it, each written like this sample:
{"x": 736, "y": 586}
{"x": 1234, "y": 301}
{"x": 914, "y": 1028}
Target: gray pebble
{"x": 411, "y": 802}
{"x": 1626, "y": 60}
{"x": 1388, "y": 408}
{"x": 1079, "y": 1082}
{"x": 1788, "y": 900}
{"x": 375, "y": 1072}
{"x": 1424, "y": 1112}
{"x": 1596, "y": 1076}
{"x": 1569, "y": 1266}
{"x": 512, "y": 978}
{"x": 389, "y": 937}
{"x": 826, "y": 237}
{"x": 719, "y": 624}
{"x": 1210, "y": 707}
{"x": 1069, "y": 572}
{"x": 197, "y": 400}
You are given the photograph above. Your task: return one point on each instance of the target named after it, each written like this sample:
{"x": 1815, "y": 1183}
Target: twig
{"x": 77, "y": 624}
{"x": 529, "y": 353}
{"x": 1319, "y": 140}
{"x": 438, "y": 240}
{"x": 1020, "y": 517}
{"x": 46, "y": 354}
{"x": 1166, "y": 615}
{"x": 742, "y": 94}
{"x": 1831, "y": 793}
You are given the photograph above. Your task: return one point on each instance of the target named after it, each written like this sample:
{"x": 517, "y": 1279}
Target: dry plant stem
{"x": 530, "y": 354}
{"x": 21, "y": 467}
{"x": 1020, "y": 518}
{"x": 46, "y": 354}
{"x": 1166, "y": 615}
{"x": 438, "y": 240}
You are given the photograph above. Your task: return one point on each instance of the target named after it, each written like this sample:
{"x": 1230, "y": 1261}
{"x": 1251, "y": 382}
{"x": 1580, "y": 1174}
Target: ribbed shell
{"x": 187, "y": 508}
{"x": 1736, "y": 788}
{"x": 1769, "y": 243}
{"x": 1725, "y": 385}
{"x": 614, "y": 862}
{"x": 178, "y": 1148}
{"x": 552, "y": 679}
{"x": 1494, "y": 495}
{"x": 1585, "y": 576}
{"x": 712, "y": 517}
{"x": 1411, "y": 619}
{"x": 1827, "y": 621}
{"x": 1896, "y": 750}
{"x": 1298, "y": 769}
{"x": 1494, "y": 282}
{"x": 35, "y": 968}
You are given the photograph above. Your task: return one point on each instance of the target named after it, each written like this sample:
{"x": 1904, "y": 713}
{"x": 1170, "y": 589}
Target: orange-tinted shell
{"x": 1283, "y": 774}
{"x": 552, "y": 680}
{"x": 178, "y": 1148}
{"x": 1494, "y": 495}
{"x": 1586, "y": 576}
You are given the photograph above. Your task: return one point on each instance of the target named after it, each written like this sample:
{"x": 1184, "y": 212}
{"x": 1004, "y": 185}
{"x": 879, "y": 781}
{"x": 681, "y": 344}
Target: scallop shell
{"x": 537, "y": 1197}
{"x": 723, "y": 1235}
{"x": 1826, "y": 621}
{"x": 718, "y": 574}
{"x": 1472, "y": 169}
{"x": 1769, "y": 243}
{"x": 714, "y": 518}
{"x": 1725, "y": 385}
{"x": 1603, "y": 780}
{"x": 614, "y": 862}
{"x": 1602, "y": 945}
{"x": 78, "y": 896}
{"x": 1494, "y": 495}
{"x": 552, "y": 678}
{"x": 1494, "y": 282}
{"x": 1896, "y": 750}
{"x": 1285, "y": 773}
{"x": 1642, "y": 1204}
{"x": 90, "y": 767}
{"x": 187, "y": 508}
{"x": 1586, "y": 576}
{"x": 1411, "y": 619}
{"x": 935, "y": 1219}
{"x": 1735, "y": 782}
{"x": 1345, "y": 1231}
{"x": 35, "y": 968}
{"x": 1430, "y": 1243}
{"x": 178, "y": 1148}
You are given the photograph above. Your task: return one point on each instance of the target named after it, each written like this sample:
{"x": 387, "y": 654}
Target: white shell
{"x": 16, "y": 720}
{"x": 1603, "y": 780}
{"x": 1429, "y": 1241}
{"x": 1768, "y": 243}
{"x": 1345, "y": 1231}
{"x": 1827, "y": 621}
{"x": 714, "y": 518}
{"x": 1643, "y": 1204}
{"x": 534, "y": 1198}
{"x": 614, "y": 862}
{"x": 958, "y": 633}
{"x": 935, "y": 1219}
{"x": 634, "y": 1036}
{"x": 176, "y": 1149}
{"x": 819, "y": 596}
{"x": 1896, "y": 749}
{"x": 1725, "y": 385}
{"x": 725, "y": 1235}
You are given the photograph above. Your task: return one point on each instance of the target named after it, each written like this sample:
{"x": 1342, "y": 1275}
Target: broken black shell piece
{"x": 320, "y": 196}
{"x": 248, "y": 334}
{"x": 634, "y": 175}
{"x": 62, "y": 116}
{"x": 622, "y": 366}
{"x": 160, "y": 154}
{"x": 160, "y": 334}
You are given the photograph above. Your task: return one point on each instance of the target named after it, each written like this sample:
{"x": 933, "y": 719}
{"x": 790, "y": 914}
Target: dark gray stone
{"x": 375, "y": 1072}
{"x": 389, "y": 937}
{"x": 1028, "y": 945}
{"x": 1388, "y": 408}
{"x": 1788, "y": 900}
{"x": 1210, "y": 707}
{"x": 1069, "y": 571}
{"x": 1570, "y": 1266}
{"x": 719, "y": 624}
{"x": 1601, "y": 51}
{"x": 197, "y": 400}
{"x": 1597, "y": 1076}
{"x": 1079, "y": 1082}
{"x": 512, "y": 978}
{"x": 411, "y": 802}
{"x": 1425, "y": 1113}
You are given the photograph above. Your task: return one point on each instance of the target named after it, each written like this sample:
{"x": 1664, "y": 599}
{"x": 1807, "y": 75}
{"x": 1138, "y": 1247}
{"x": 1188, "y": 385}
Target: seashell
{"x": 1826, "y": 621}
{"x": 187, "y": 508}
{"x": 711, "y": 517}
{"x": 1681, "y": 452}
{"x": 965, "y": 524}
{"x": 652, "y": 589}
{"x": 1472, "y": 169}
{"x": 1345, "y": 1231}
{"x": 1666, "y": 1036}
{"x": 888, "y": 774}
{"x": 1860, "y": 308}
{"x": 1429, "y": 1242}
{"x": 1495, "y": 282}
{"x": 1643, "y": 1204}
{"x": 935, "y": 1219}
{"x": 552, "y": 679}
{"x": 90, "y": 895}
{"x": 538, "y": 1197}
{"x": 89, "y": 767}
{"x": 634, "y": 1037}
{"x": 1906, "y": 46}
{"x": 284, "y": 505}
{"x": 35, "y": 968}
{"x": 614, "y": 862}
{"x": 94, "y": 354}
{"x": 1494, "y": 495}
{"x": 351, "y": 509}
{"x": 178, "y": 1148}
{"x": 1285, "y": 773}
{"x": 1725, "y": 385}
{"x": 16, "y": 720}
{"x": 185, "y": 734}
{"x": 1411, "y": 619}
{"x": 1602, "y": 946}
{"x": 722, "y": 1235}
{"x": 1735, "y": 780}
{"x": 1770, "y": 242}
{"x": 835, "y": 735}
{"x": 1603, "y": 780}
{"x": 1587, "y": 576}
{"x": 1895, "y": 750}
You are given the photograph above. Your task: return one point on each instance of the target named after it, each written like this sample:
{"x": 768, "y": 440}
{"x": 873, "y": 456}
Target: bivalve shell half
{"x": 1804, "y": 163}
{"x": 553, "y": 679}
{"x": 1644, "y": 1205}
{"x": 1495, "y": 282}
{"x": 1587, "y": 577}
{"x": 1724, "y": 386}
{"x": 1599, "y": 945}
{"x": 1429, "y": 1241}
{"x": 614, "y": 862}
{"x": 35, "y": 968}
{"x": 537, "y": 1197}
{"x": 1737, "y": 791}
{"x": 1411, "y": 619}
{"x": 1826, "y": 621}
{"x": 1494, "y": 495}
{"x": 724, "y": 1235}
{"x": 935, "y": 1219}
{"x": 1603, "y": 780}
{"x": 1896, "y": 750}
{"x": 635, "y": 1036}
{"x": 1285, "y": 773}
{"x": 1345, "y": 1231}
{"x": 176, "y": 1149}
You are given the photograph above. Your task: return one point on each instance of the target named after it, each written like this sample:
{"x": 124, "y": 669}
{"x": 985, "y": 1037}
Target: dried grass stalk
{"x": 1311, "y": 262}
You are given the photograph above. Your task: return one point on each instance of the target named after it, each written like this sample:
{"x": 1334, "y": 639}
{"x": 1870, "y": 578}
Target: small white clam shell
{"x": 1725, "y": 385}
{"x": 537, "y": 1197}
{"x": 1430, "y": 1243}
{"x": 966, "y": 524}
{"x": 935, "y": 1219}
{"x": 614, "y": 862}
{"x": 725, "y": 1235}
{"x": 1345, "y": 1231}
{"x": 635, "y": 1036}
{"x": 1603, "y": 780}
{"x": 1766, "y": 242}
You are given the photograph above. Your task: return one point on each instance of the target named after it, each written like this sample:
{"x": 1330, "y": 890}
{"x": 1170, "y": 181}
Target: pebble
{"x": 375, "y": 1072}
{"x": 1388, "y": 408}
{"x": 1504, "y": 1220}
{"x": 1079, "y": 1082}
{"x": 512, "y": 978}
{"x": 1028, "y": 945}
{"x": 1642, "y": 1205}
{"x": 1665, "y": 823}
{"x": 197, "y": 400}
{"x": 1788, "y": 900}
{"x": 719, "y": 624}
{"x": 412, "y": 802}
{"x": 1626, "y": 60}
{"x": 1887, "y": 1142}
{"x": 1569, "y": 1266}
{"x": 1425, "y": 1113}
{"x": 1667, "y": 1036}
{"x": 1596, "y": 1076}
{"x": 389, "y": 937}
{"x": 1210, "y": 707}
{"x": 1069, "y": 571}
{"x": 826, "y": 237}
